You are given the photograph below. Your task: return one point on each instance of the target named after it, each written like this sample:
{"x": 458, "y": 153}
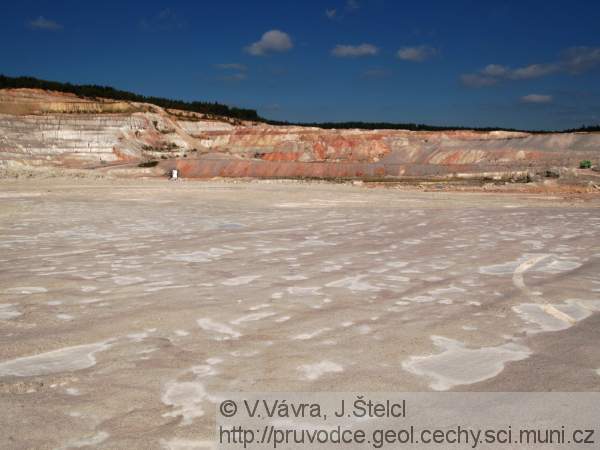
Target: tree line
{"x": 95, "y": 91}
{"x": 218, "y": 109}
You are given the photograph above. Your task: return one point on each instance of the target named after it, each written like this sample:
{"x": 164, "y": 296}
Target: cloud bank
{"x": 574, "y": 60}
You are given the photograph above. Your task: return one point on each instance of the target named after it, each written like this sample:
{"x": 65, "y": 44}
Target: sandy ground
{"x": 127, "y": 305}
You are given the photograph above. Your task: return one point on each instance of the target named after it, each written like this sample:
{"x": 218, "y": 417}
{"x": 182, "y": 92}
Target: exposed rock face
{"x": 55, "y": 129}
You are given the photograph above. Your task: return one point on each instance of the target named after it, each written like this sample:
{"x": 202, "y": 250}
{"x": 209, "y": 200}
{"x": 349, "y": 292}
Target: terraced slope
{"x": 49, "y": 129}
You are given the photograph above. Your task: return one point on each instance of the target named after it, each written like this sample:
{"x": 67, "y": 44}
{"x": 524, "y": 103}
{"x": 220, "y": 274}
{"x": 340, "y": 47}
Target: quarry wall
{"x": 40, "y": 128}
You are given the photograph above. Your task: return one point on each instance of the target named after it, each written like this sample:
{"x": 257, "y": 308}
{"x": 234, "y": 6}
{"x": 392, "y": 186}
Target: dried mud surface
{"x": 127, "y": 305}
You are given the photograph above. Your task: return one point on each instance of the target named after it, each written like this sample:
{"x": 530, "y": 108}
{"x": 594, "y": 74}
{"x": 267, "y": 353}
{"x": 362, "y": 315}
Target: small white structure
{"x": 174, "y": 174}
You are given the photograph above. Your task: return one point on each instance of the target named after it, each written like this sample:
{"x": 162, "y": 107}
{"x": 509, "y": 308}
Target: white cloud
{"x": 376, "y": 73}
{"x": 495, "y": 70}
{"x": 532, "y": 71}
{"x": 271, "y": 41}
{"x": 231, "y": 66}
{"x": 354, "y": 51}
{"x": 331, "y": 13}
{"x": 536, "y": 98}
{"x": 494, "y": 73}
{"x": 352, "y": 5}
{"x": 574, "y": 60}
{"x": 477, "y": 80}
{"x": 165, "y": 20}
{"x": 580, "y": 59}
{"x": 41, "y": 23}
{"x": 234, "y": 71}
{"x": 239, "y": 76}
{"x": 416, "y": 54}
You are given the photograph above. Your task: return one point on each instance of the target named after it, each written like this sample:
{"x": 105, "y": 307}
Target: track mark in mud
{"x": 523, "y": 267}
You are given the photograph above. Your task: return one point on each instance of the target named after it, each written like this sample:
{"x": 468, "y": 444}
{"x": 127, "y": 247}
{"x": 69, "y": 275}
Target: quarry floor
{"x": 127, "y": 306}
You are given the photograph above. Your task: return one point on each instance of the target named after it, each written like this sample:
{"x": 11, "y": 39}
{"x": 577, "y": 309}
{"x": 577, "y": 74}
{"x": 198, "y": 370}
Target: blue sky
{"x": 523, "y": 64}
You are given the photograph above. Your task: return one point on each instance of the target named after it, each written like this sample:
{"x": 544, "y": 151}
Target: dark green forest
{"x": 94, "y": 91}
{"x": 218, "y": 109}
{"x": 386, "y": 126}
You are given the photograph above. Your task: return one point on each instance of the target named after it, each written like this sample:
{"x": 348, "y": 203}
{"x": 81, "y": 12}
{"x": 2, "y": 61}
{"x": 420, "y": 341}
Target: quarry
{"x": 46, "y": 132}
{"x": 286, "y": 259}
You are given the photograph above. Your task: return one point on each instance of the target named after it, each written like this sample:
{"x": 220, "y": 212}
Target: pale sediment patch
{"x": 66, "y": 317}
{"x": 556, "y": 317}
{"x": 26, "y": 290}
{"x": 363, "y": 329}
{"x": 294, "y": 277}
{"x": 8, "y": 311}
{"x": 204, "y": 370}
{"x": 354, "y": 284}
{"x": 252, "y": 317}
{"x": 457, "y": 365}
{"x": 535, "y": 245}
{"x": 379, "y": 270}
{"x": 560, "y": 265}
{"x": 186, "y": 398}
{"x": 260, "y": 306}
{"x": 94, "y": 440}
{"x": 432, "y": 278}
{"x": 398, "y": 278}
{"x": 89, "y": 301}
{"x": 315, "y": 371}
{"x": 397, "y": 264}
{"x": 66, "y": 359}
{"x": 420, "y": 299}
{"x": 541, "y": 262}
{"x": 448, "y": 290}
{"x": 210, "y": 325}
{"x": 138, "y": 337}
{"x": 127, "y": 280}
{"x": 162, "y": 288}
{"x": 199, "y": 256}
{"x": 238, "y": 281}
{"x": 181, "y": 333}
{"x": 213, "y": 361}
{"x": 309, "y": 290}
{"x": 401, "y": 303}
{"x": 187, "y": 444}
{"x": 306, "y": 336}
